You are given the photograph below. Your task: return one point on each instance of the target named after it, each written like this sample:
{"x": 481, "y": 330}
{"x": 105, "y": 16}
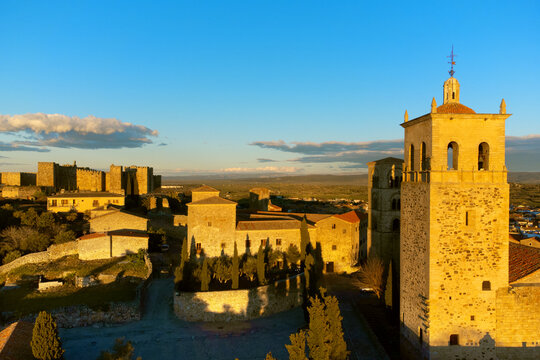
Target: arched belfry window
{"x": 395, "y": 225}
{"x": 411, "y": 157}
{"x": 453, "y": 155}
{"x": 483, "y": 156}
{"x": 423, "y": 156}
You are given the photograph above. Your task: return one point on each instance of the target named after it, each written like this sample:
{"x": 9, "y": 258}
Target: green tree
{"x": 64, "y": 236}
{"x": 185, "y": 252}
{"x": 309, "y": 273}
{"x": 261, "y": 266}
{"x": 388, "y": 289}
{"x": 121, "y": 350}
{"x": 297, "y": 348}
{"x": 11, "y": 255}
{"x": 235, "y": 268}
{"x": 249, "y": 268}
{"x": 304, "y": 239}
{"x": 205, "y": 276}
{"x": 293, "y": 255}
{"x": 45, "y": 343}
{"x": 324, "y": 336}
{"x": 338, "y": 346}
{"x": 28, "y": 218}
{"x": 45, "y": 220}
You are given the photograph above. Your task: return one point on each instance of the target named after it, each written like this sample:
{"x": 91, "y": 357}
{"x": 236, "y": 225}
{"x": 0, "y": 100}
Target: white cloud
{"x": 57, "y": 130}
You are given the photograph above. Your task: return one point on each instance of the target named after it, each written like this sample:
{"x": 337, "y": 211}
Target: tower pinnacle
{"x": 452, "y": 62}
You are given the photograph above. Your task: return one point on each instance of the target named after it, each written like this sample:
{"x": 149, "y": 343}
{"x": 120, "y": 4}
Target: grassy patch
{"x": 63, "y": 267}
{"x": 27, "y": 300}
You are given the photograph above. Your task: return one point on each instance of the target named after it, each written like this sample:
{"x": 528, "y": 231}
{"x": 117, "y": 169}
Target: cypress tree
{"x": 185, "y": 252}
{"x": 45, "y": 343}
{"x": 388, "y": 290}
{"x": 318, "y": 336}
{"x": 338, "y": 346}
{"x": 311, "y": 276}
{"x": 205, "y": 276}
{"x": 297, "y": 348}
{"x": 261, "y": 266}
{"x": 304, "y": 239}
{"x": 235, "y": 268}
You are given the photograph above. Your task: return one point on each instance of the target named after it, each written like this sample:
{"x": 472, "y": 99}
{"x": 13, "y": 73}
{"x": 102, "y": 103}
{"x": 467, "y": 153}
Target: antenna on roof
{"x": 452, "y": 62}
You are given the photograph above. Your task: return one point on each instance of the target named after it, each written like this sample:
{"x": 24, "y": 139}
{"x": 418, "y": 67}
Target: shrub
{"x": 64, "y": 236}
{"x": 249, "y": 268}
{"x": 121, "y": 351}
{"x": 46, "y": 344}
{"x": 221, "y": 268}
{"x": 11, "y": 255}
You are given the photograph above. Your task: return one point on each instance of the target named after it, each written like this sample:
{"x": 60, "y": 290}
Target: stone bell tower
{"x": 454, "y": 229}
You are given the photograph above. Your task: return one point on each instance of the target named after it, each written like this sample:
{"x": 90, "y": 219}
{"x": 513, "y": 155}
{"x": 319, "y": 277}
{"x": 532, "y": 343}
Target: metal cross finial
{"x": 452, "y": 62}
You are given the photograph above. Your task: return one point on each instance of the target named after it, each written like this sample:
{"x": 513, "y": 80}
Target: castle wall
{"x": 18, "y": 178}
{"x": 46, "y": 174}
{"x": 20, "y": 192}
{"x": 95, "y": 248}
{"x": 114, "y": 180}
{"x": 90, "y": 180}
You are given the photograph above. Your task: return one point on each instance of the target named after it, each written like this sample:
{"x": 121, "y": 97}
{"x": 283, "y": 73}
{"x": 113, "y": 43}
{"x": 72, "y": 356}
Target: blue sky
{"x": 197, "y": 87}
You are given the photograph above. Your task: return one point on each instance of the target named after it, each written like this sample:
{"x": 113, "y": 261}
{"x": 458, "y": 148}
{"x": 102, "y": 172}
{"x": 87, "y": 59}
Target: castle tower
{"x": 384, "y": 182}
{"x": 454, "y": 229}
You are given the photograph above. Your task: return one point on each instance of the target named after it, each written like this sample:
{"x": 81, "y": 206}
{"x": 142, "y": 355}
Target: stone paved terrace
{"x": 159, "y": 335}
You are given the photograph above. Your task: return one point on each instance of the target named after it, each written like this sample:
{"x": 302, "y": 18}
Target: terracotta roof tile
{"x": 350, "y": 216}
{"x": 523, "y": 260}
{"x": 454, "y": 108}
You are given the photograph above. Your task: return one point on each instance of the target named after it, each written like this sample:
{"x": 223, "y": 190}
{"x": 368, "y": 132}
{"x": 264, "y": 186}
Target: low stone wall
{"x": 53, "y": 252}
{"x": 240, "y": 304}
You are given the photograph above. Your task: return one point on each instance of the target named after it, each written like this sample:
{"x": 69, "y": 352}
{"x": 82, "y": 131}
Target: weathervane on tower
{"x": 452, "y": 62}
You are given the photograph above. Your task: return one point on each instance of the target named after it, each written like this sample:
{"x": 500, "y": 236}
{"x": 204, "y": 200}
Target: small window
{"x": 209, "y": 223}
{"x": 278, "y": 242}
{"x": 472, "y": 317}
{"x": 64, "y": 203}
{"x": 486, "y": 286}
{"x": 263, "y": 242}
{"x": 453, "y": 154}
{"x": 334, "y": 247}
{"x": 95, "y": 203}
{"x": 223, "y": 245}
{"x": 73, "y": 201}
{"x": 333, "y": 226}
{"x": 54, "y": 202}
{"x": 248, "y": 243}
{"x": 454, "y": 339}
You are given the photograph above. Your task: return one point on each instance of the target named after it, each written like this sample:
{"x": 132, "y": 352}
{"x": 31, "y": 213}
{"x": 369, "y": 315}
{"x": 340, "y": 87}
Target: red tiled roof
{"x": 15, "y": 341}
{"x": 454, "y": 108}
{"x": 350, "y": 216}
{"x": 523, "y": 260}
{"x": 132, "y": 233}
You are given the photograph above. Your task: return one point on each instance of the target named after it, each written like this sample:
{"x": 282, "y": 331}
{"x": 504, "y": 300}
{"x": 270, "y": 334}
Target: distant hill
{"x": 320, "y": 179}
{"x": 524, "y": 177}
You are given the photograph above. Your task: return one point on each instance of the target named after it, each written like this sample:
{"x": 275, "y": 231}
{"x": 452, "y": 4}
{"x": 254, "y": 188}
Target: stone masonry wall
{"x": 518, "y": 322}
{"x": 52, "y": 253}
{"x": 123, "y": 245}
{"x": 414, "y": 254}
{"x": 18, "y": 178}
{"x": 211, "y": 226}
{"x": 468, "y": 246}
{"x": 240, "y": 304}
{"x": 90, "y": 180}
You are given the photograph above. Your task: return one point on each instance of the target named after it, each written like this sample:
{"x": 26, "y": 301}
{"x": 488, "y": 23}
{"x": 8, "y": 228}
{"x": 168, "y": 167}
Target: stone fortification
{"x": 18, "y": 178}
{"x": 111, "y": 244}
{"x": 90, "y": 180}
{"x": 133, "y": 180}
{"x": 20, "y": 192}
{"x": 240, "y": 304}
